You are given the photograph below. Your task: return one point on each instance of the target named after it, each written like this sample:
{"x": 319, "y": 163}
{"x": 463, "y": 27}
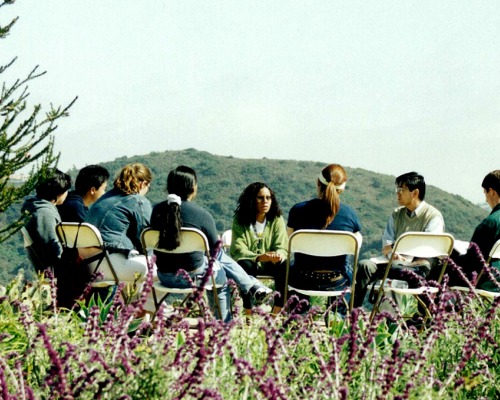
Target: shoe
{"x": 260, "y": 293}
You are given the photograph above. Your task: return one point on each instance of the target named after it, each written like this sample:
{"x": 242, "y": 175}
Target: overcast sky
{"x": 388, "y": 86}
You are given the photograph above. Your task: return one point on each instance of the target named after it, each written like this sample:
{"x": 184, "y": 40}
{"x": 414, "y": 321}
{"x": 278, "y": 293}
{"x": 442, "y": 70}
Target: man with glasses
{"x": 414, "y": 214}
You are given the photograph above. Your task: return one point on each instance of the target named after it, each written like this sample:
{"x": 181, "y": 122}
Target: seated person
{"x": 415, "y": 215}
{"x": 46, "y": 250}
{"x": 485, "y": 236}
{"x": 90, "y": 185}
{"x": 180, "y": 211}
{"x": 259, "y": 239}
{"x": 121, "y": 215}
{"x": 324, "y": 212}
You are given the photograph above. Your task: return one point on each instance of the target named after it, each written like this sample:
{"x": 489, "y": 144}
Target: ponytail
{"x": 331, "y": 181}
{"x": 170, "y": 232}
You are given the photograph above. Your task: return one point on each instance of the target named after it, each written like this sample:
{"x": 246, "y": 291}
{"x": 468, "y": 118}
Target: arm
{"x": 241, "y": 245}
{"x": 388, "y": 237}
{"x": 143, "y": 220}
{"x": 46, "y": 230}
{"x": 280, "y": 238}
{"x": 435, "y": 225}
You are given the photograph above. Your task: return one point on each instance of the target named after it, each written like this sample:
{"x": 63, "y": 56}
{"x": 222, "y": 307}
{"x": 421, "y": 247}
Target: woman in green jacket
{"x": 259, "y": 238}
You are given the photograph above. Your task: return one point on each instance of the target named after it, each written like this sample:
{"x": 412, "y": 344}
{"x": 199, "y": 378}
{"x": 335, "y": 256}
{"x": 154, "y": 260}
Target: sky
{"x": 387, "y": 86}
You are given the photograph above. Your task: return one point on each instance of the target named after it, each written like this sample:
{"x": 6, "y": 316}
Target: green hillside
{"x": 221, "y": 180}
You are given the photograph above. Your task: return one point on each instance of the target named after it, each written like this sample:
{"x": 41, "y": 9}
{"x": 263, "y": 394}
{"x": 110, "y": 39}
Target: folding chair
{"x": 493, "y": 255}
{"x": 323, "y": 243}
{"x": 418, "y": 245}
{"x": 88, "y": 240}
{"x": 191, "y": 240}
{"x": 226, "y": 239}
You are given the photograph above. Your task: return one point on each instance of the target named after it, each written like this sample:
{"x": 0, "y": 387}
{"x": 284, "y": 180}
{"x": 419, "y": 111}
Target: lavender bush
{"x": 55, "y": 354}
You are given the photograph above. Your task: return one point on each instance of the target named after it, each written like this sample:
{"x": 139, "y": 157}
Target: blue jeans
{"x": 243, "y": 280}
{"x": 223, "y": 294}
{"x": 235, "y": 272}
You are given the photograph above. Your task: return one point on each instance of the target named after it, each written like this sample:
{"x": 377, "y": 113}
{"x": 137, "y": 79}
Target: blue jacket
{"x": 120, "y": 218}
{"x": 73, "y": 209}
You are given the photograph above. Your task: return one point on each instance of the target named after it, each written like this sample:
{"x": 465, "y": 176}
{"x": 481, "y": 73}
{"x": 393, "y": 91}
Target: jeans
{"x": 235, "y": 272}
{"x": 224, "y": 294}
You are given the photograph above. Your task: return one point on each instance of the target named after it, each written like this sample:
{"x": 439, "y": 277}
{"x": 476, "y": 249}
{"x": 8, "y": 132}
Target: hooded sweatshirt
{"x": 41, "y": 227}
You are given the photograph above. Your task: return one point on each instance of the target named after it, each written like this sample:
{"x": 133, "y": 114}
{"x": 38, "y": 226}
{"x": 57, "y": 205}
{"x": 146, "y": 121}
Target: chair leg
{"x": 216, "y": 297}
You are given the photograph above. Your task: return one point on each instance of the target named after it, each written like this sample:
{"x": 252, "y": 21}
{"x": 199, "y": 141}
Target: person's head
{"x": 183, "y": 182}
{"x": 257, "y": 199}
{"x": 410, "y": 189}
{"x": 134, "y": 179}
{"x": 181, "y": 186}
{"x": 331, "y": 182}
{"x": 491, "y": 187}
{"x": 91, "y": 182}
{"x": 54, "y": 188}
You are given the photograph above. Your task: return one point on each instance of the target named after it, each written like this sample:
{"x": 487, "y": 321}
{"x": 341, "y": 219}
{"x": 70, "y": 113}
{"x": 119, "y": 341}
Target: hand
{"x": 270, "y": 256}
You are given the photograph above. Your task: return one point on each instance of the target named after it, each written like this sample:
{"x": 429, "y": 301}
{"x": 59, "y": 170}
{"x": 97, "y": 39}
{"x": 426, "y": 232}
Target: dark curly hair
{"x": 245, "y": 212}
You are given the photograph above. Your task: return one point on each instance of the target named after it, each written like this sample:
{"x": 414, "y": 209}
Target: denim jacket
{"x": 120, "y": 218}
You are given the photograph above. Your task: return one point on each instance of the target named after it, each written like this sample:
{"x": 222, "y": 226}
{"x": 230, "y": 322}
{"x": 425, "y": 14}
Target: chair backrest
{"x": 191, "y": 240}
{"x": 424, "y": 244}
{"x": 85, "y": 235}
{"x": 324, "y": 243}
{"x": 494, "y": 252}
{"x": 226, "y": 239}
{"x": 87, "y": 238}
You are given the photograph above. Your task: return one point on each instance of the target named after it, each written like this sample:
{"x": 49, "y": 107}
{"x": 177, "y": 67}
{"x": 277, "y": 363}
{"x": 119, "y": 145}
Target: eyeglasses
{"x": 401, "y": 189}
{"x": 264, "y": 198}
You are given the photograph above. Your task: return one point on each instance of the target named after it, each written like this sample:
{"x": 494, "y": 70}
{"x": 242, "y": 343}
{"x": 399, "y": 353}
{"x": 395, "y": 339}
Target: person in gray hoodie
{"x": 46, "y": 250}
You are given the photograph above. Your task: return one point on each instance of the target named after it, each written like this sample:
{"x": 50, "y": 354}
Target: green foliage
{"x": 26, "y": 141}
{"x": 56, "y": 354}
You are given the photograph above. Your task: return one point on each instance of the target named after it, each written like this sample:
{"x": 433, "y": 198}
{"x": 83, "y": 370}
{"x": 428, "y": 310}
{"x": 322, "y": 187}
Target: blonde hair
{"x": 335, "y": 175}
{"x": 130, "y": 177}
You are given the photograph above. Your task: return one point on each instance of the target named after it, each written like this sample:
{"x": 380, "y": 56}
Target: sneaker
{"x": 260, "y": 293}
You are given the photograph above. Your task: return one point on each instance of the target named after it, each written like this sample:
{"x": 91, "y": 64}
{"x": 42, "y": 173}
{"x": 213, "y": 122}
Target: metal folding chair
{"x": 323, "y": 243}
{"x": 191, "y": 240}
{"x": 493, "y": 255}
{"x": 88, "y": 240}
{"x": 418, "y": 245}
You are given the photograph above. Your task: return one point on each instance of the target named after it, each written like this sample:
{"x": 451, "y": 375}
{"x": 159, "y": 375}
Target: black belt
{"x": 323, "y": 276}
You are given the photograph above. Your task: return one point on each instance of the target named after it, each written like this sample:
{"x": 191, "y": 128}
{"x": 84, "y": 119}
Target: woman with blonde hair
{"x": 326, "y": 211}
{"x": 120, "y": 215}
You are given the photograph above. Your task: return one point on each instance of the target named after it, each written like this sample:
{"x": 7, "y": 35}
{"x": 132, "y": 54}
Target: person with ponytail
{"x": 120, "y": 215}
{"x": 177, "y": 211}
{"x": 326, "y": 211}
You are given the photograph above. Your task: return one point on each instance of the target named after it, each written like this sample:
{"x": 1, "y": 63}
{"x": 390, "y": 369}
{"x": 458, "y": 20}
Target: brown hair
{"x": 492, "y": 180}
{"x": 130, "y": 177}
{"x": 335, "y": 175}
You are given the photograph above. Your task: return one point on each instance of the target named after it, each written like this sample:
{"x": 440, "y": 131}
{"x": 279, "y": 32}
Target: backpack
{"x": 71, "y": 273}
